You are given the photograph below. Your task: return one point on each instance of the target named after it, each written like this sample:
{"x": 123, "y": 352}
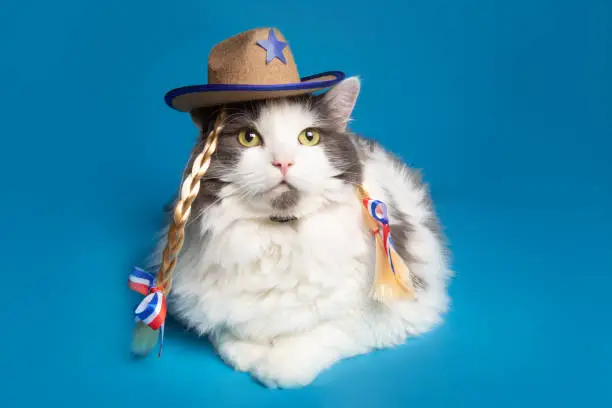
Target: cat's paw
{"x": 241, "y": 355}
{"x": 288, "y": 366}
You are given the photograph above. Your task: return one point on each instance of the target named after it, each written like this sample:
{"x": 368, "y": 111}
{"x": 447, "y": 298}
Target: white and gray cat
{"x": 278, "y": 263}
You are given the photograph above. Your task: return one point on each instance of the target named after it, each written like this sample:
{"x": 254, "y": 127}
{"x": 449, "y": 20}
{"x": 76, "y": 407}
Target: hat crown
{"x": 254, "y": 65}
{"x": 259, "y": 56}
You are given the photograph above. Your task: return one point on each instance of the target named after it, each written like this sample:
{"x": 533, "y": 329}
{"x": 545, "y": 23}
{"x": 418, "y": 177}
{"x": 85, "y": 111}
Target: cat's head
{"x": 282, "y": 158}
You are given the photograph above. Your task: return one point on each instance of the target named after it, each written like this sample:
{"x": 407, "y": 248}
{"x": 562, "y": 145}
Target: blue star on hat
{"x": 274, "y": 48}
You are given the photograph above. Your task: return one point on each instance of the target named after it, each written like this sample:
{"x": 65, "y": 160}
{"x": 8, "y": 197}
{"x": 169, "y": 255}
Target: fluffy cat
{"x": 277, "y": 264}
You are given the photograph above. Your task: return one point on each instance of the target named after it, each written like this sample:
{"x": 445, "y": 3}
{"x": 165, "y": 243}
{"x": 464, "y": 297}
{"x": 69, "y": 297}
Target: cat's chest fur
{"x": 262, "y": 278}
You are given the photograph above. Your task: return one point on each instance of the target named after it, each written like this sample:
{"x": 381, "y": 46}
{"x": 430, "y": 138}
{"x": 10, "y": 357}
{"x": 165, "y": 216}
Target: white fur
{"x": 285, "y": 302}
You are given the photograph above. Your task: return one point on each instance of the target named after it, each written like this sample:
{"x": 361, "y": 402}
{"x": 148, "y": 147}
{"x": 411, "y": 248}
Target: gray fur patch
{"x": 433, "y": 224}
{"x": 339, "y": 147}
{"x": 286, "y": 200}
{"x": 401, "y": 231}
{"x": 342, "y": 154}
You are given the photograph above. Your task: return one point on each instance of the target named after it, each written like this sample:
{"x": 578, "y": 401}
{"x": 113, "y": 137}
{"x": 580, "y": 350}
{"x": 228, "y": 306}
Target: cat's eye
{"x": 249, "y": 138}
{"x": 309, "y": 137}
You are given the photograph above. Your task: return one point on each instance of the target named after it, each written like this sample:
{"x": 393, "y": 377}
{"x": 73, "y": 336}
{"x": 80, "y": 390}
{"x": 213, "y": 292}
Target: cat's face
{"x": 284, "y": 157}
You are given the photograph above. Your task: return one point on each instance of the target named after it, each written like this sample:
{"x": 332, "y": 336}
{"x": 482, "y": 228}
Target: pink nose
{"x": 283, "y": 166}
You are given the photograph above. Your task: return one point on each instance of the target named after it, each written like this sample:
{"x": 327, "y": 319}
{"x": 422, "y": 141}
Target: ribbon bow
{"x": 391, "y": 270}
{"x": 150, "y": 313}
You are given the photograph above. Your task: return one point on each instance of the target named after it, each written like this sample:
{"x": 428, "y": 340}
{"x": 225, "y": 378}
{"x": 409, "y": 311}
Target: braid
{"x": 189, "y": 191}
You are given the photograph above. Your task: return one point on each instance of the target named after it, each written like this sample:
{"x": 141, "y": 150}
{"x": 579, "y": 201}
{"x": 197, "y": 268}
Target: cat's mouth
{"x": 283, "y": 185}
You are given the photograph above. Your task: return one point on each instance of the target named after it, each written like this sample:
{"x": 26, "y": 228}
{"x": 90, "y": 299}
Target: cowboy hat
{"x": 255, "y": 64}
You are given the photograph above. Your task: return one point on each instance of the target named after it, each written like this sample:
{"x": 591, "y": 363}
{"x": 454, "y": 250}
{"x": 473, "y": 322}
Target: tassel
{"x": 144, "y": 339}
{"x": 391, "y": 272}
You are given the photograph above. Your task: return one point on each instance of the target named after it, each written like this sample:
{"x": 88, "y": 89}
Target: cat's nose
{"x": 282, "y": 166}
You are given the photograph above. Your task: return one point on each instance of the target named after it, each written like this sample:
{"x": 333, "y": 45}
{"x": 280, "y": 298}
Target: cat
{"x": 277, "y": 264}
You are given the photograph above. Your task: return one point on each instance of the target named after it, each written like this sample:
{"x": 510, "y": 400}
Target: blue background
{"x": 506, "y": 105}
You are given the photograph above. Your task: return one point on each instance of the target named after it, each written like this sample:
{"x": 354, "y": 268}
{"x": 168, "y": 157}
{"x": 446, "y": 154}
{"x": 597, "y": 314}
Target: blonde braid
{"x": 189, "y": 191}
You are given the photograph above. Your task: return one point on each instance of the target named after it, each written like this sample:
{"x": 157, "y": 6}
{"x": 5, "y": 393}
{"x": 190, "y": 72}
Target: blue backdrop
{"x": 506, "y": 105}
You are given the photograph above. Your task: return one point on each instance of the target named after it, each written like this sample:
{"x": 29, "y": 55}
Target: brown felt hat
{"x": 252, "y": 65}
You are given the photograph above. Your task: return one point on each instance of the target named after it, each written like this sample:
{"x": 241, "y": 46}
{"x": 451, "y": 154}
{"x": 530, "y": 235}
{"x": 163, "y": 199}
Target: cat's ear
{"x": 340, "y": 101}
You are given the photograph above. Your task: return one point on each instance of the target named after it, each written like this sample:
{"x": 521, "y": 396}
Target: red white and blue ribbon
{"x": 151, "y": 311}
{"x": 378, "y": 210}
{"x": 141, "y": 281}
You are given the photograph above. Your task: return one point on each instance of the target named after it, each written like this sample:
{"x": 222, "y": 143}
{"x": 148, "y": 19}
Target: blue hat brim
{"x": 188, "y": 98}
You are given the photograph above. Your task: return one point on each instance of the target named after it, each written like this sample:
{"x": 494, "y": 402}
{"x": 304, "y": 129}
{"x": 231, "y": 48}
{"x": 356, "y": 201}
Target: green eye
{"x": 249, "y": 138}
{"x": 309, "y": 137}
